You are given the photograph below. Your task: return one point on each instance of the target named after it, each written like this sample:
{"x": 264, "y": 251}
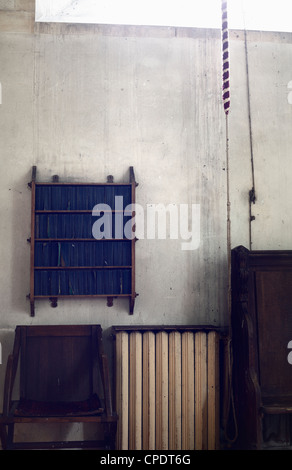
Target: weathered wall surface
{"x": 83, "y": 105}
{"x": 266, "y": 89}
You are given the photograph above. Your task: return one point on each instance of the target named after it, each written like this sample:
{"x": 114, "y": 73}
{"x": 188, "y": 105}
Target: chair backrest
{"x": 262, "y": 293}
{"x": 273, "y": 289}
{"x": 59, "y": 363}
{"x": 261, "y": 320}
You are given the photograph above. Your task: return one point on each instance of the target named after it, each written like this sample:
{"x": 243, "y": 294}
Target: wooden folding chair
{"x": 64, "y": 378}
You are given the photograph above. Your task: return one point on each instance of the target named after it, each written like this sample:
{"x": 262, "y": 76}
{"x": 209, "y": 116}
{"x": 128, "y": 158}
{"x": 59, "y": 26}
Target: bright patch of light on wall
{"x": 265, "y": 15}
{"x": 132, "y": 12}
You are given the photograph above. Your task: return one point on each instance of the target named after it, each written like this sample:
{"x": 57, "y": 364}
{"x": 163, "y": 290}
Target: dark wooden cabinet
{"x": 261, "y": 338}
{"x": 69, "y": 258}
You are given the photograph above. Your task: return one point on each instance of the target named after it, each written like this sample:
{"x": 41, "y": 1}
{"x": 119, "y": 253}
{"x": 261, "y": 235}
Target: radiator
{"x": 167, "y": 389}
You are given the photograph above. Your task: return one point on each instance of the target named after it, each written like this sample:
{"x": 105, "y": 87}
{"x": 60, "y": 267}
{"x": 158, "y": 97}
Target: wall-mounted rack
{"x": 66, "y": 259}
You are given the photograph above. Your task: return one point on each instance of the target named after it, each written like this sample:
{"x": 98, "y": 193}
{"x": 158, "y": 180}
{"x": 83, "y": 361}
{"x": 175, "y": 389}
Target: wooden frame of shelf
{"x": 63, "y": 246}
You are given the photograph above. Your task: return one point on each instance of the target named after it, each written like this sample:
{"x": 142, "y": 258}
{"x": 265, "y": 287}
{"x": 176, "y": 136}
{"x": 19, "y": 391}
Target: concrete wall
{"x": 270, "y": 141}
{"x": 87, "y": 101}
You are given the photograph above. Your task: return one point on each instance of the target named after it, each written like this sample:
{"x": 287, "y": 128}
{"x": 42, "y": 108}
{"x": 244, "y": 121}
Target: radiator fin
{"x": 167, "y": 390}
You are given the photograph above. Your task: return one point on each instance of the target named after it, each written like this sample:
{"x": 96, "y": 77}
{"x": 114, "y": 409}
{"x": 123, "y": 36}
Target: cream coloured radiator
{"x": 167, "y": 389}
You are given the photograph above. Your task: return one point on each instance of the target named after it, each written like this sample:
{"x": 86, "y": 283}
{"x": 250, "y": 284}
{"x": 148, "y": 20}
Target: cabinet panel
{"x": 261, "y": 322}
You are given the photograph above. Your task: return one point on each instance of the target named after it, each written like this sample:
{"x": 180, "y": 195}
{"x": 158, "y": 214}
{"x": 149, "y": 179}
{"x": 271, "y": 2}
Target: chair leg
{"x": 110, "y": 436}
{"x": 3, "y": 436}
{"x": 10, "y": 436}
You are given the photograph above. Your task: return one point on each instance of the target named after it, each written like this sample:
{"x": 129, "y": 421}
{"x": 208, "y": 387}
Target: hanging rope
{"x": 226, "y": 105}
{"x": 225, "y": 58}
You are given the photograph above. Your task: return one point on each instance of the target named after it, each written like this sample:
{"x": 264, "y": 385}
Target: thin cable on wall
{"x": 252, "y": 192}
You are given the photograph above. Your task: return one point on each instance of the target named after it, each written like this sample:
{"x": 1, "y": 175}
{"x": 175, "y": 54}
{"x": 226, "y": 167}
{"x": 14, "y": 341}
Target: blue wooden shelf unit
{"x": 67, "y": 259}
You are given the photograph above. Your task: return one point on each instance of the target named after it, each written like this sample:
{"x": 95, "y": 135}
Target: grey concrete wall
{"x": 270, "y": 141}
{"x": 87, "y": 101}
{"x": 84, "y": 105}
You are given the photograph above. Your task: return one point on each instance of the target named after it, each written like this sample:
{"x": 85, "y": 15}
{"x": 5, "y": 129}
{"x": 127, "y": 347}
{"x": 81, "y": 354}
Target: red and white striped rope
{"x": 225, "y": 58}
